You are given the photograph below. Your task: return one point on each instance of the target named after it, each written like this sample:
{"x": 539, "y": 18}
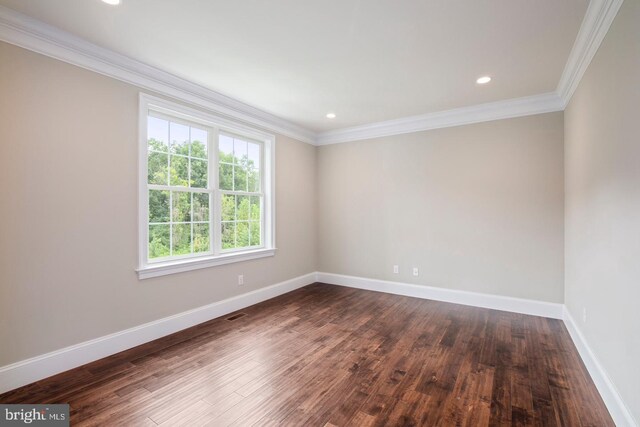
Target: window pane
{"x": 199, "y": 139}
{"x": 199, "y": 173}
{"x": 239, "y": 178}
{"x": 181, "y": 239}
{"x": 242, "y": 234}
{"x": 254, "y": 232}
{"x": 254, "y": 155}
{"x": 158, "y": 206}
{"x": 179, "y": 137}
{"x": 179, "y": 171}
{"x": 158, "y": 241}
{"x": 180, "y": 213}
{"x": 200, "y": 206}
{"x": 226, "y": 177}
{"x": 157, "y": 134}
{"x": 158, "y": 165}
{"x": 228, "y": 235}
{"x": 181, "y": 206}
{"x": 226, "y": 149}
{"x": 253, "y": 180}
{"x": 242, "y": 208}
{"x": 239, "y": 151}
{"x": 255, "y": 208}
{"x": 201, "y": 238}
{"x": 228, "y": 207}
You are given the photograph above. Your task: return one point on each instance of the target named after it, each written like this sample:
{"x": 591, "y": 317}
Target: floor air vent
{"x": 236, "y": 316}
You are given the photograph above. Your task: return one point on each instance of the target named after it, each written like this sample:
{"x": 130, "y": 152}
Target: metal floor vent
{"x": 236, "y": 316}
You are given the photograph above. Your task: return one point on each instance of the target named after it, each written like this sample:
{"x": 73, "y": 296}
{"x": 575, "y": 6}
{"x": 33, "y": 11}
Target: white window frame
{"x": 214, "y": 124}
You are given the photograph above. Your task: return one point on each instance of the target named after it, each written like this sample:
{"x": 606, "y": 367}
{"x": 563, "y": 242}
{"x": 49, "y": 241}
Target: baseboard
{"x": 27, "y": 371}
{"x": 616, "y": 406}
{"x": 495, "y": 302}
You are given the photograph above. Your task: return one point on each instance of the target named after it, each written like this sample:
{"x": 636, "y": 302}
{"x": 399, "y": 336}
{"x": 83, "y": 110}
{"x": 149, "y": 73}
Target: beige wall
{"x": 68, "y": 221}
{"x": 476, "y": 208}
{"x": 602, "y": 135}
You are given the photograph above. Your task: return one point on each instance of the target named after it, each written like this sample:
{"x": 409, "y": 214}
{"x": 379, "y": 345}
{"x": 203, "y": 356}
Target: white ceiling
{"x": 367, "y": 61}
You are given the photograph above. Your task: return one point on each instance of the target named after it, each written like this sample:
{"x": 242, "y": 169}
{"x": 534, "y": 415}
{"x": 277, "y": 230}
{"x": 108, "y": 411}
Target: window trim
{"x": 217, "y": 124}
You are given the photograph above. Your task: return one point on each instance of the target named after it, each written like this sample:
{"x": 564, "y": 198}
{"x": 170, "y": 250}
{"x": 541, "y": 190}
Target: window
{"x": 239, "y": 172}
{"x": 206, "y": 190}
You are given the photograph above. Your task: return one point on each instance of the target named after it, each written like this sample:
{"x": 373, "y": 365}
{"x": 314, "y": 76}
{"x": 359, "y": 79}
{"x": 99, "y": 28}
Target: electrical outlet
{"x": 584, "y": 314}
{"x": 395, "y": 269}
{"x": 241, "y": 279}
{"x": 415, "y": 271}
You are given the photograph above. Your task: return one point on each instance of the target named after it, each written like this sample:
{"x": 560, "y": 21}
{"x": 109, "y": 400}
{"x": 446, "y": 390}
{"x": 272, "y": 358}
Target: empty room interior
{"x": 338, "y": 213}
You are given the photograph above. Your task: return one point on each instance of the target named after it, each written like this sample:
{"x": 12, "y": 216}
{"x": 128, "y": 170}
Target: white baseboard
{"x": 43, "y": 366}
{"x": 27, "y": 371}
{"x": 495, "y": 302}
{"x": 618, "y": 410}
{"x": 616, "y": 406}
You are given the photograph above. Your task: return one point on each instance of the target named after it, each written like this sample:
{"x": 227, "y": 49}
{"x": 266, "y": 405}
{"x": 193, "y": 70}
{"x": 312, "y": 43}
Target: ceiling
{"x": 367, "y": 61}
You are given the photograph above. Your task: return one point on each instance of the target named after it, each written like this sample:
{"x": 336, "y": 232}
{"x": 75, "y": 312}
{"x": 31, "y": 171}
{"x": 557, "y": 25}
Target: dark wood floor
{"x": 331, "y": 356}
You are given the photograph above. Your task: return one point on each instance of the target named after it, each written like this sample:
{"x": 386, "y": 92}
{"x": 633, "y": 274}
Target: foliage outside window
{"x": 179, "y": 195}
{"x": 239, "y": 171}
{"x": 205, "y": 190}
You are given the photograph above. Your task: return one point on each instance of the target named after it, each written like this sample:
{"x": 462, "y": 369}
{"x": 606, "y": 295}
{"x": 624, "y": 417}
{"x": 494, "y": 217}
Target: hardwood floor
{"x": 331, "y": 356}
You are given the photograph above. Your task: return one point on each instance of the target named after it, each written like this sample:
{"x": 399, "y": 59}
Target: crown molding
{"x": 517, "y": 107}
{"x": 595, "y": 25}
{"x": 29, "y": 33}
{"x": 32, "y": 34}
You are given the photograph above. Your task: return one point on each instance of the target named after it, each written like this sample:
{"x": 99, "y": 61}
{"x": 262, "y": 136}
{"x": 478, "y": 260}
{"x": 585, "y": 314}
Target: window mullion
{"x": 241, "y": 193}
{"x": 177, "y": 188}
{"x": 170, "y": 223}
{"x": 263, "y": 190}
{"x": 215, "y": 214}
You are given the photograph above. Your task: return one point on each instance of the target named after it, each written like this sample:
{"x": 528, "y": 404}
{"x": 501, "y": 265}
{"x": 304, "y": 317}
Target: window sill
{"x": 171, "y": 267}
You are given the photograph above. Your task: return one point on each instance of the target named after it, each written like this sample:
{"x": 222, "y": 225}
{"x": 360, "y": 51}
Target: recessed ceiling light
{"x": 112, "y": 2}
{"x": 331, "y": 115}
{"x": 483, "y": 80}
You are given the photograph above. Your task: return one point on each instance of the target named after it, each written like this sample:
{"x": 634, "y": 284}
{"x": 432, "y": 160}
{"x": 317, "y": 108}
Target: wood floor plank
{"x": 334, "y": 356}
